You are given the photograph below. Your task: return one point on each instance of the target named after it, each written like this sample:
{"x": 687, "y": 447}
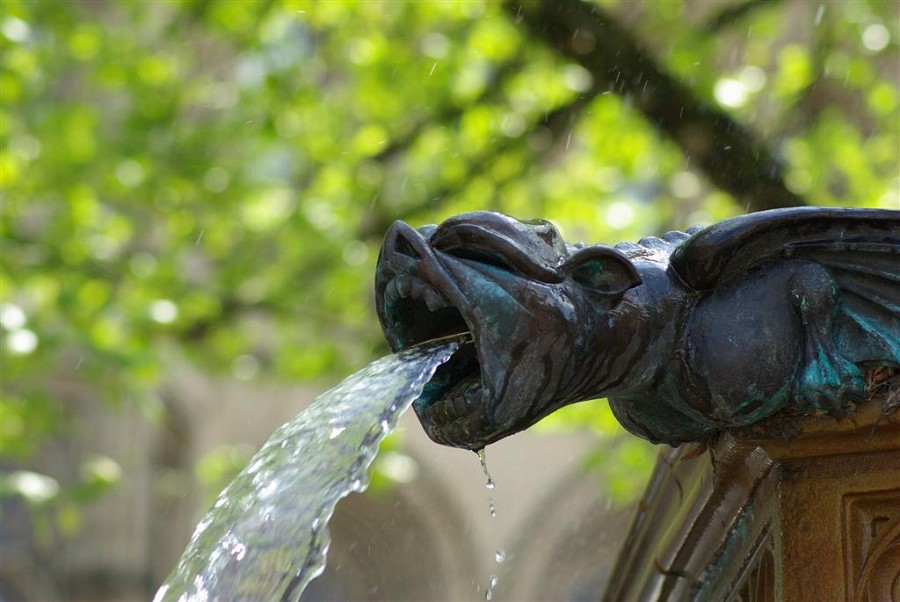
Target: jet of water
{"x": 266, "y": 536}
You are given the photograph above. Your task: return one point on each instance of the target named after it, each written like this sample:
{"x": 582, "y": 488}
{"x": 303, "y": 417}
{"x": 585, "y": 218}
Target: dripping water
{"x": 487, "y": 475}
{"x": 489, "y": 484}
{"x": 500, "y": 554}
{"x": 489, "y": 594}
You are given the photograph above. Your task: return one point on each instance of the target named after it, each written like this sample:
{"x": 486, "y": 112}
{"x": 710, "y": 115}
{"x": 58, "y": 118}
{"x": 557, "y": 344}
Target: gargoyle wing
{"x": 859, "y": 248}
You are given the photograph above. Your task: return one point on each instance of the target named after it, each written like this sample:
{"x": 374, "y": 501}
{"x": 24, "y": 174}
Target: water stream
{"x": 266, "y": 536}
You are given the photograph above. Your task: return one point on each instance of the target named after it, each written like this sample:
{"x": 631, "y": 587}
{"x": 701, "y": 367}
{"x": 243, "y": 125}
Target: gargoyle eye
{"x": 603, "y": 270}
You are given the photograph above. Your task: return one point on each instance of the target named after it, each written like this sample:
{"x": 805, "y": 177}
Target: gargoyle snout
{"x": 402, "y": 242}
{"x": 415, "y": 297}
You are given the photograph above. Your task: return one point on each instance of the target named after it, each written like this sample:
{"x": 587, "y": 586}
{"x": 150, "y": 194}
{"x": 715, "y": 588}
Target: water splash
{"x": 266, "y": 536}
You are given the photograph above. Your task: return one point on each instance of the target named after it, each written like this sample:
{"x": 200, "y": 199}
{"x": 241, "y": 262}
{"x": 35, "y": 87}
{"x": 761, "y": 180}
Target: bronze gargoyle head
{"x": 530, "y": 302}
{"x": 686, "y": 335}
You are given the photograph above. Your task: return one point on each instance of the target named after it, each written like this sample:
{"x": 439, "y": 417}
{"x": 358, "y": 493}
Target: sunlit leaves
{"x": 791, "y": 71}
{"x": 26, "y": 420}
{"x": 214, "y": 177}
{"x": 795, "y": 71}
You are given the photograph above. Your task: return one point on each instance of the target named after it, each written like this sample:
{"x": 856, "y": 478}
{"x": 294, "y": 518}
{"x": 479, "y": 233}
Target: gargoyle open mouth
{"x": 454, "y": 391}
{"x": 418, "y": 301}
{"x": 529, "y": 303}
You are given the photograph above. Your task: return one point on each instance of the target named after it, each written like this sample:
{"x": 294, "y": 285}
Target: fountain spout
{"x": 686, "y": 335}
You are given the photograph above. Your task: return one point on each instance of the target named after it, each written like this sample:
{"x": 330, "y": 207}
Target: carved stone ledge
{"x": 794, "y": 509}
{"x": 872, "y": 545}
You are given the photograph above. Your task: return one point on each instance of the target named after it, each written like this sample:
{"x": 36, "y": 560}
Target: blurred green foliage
{"x": 208, "y": 181}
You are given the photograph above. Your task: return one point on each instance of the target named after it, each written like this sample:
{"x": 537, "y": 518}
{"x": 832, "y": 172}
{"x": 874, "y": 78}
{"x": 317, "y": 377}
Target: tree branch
{"x": 728, "y": 153}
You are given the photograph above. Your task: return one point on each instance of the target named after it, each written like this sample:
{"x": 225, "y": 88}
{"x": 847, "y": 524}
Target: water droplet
{"x": 489, "y": 594}
{"x": 500, "y": 556}
{"x": 481, "y": 458}
{"x": 493, "y": 510}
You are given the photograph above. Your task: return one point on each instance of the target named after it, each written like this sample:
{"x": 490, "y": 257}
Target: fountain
{"x": 687, "y": 335}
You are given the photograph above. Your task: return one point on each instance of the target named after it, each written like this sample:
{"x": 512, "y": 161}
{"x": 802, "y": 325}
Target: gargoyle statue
{"x": 685, "y": 335}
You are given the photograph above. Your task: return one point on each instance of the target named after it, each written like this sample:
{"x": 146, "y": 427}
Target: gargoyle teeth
{"x": 391, "y": 290}
{"x": 417, "y": 288}
{"x": 405, "y": 286}
{"x": 463, "y": 401}
{"x": 434, "y": 300}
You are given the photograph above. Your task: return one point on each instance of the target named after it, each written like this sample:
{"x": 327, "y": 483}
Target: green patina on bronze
{"x": 686, "y": 335}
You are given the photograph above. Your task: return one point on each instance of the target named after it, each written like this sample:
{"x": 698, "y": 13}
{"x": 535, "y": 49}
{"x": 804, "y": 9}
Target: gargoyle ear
{"x": 602, "y": 269}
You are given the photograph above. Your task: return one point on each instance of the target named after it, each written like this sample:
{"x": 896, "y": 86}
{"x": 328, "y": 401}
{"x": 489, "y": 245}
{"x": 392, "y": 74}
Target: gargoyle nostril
{"x": 403, "y": 247}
